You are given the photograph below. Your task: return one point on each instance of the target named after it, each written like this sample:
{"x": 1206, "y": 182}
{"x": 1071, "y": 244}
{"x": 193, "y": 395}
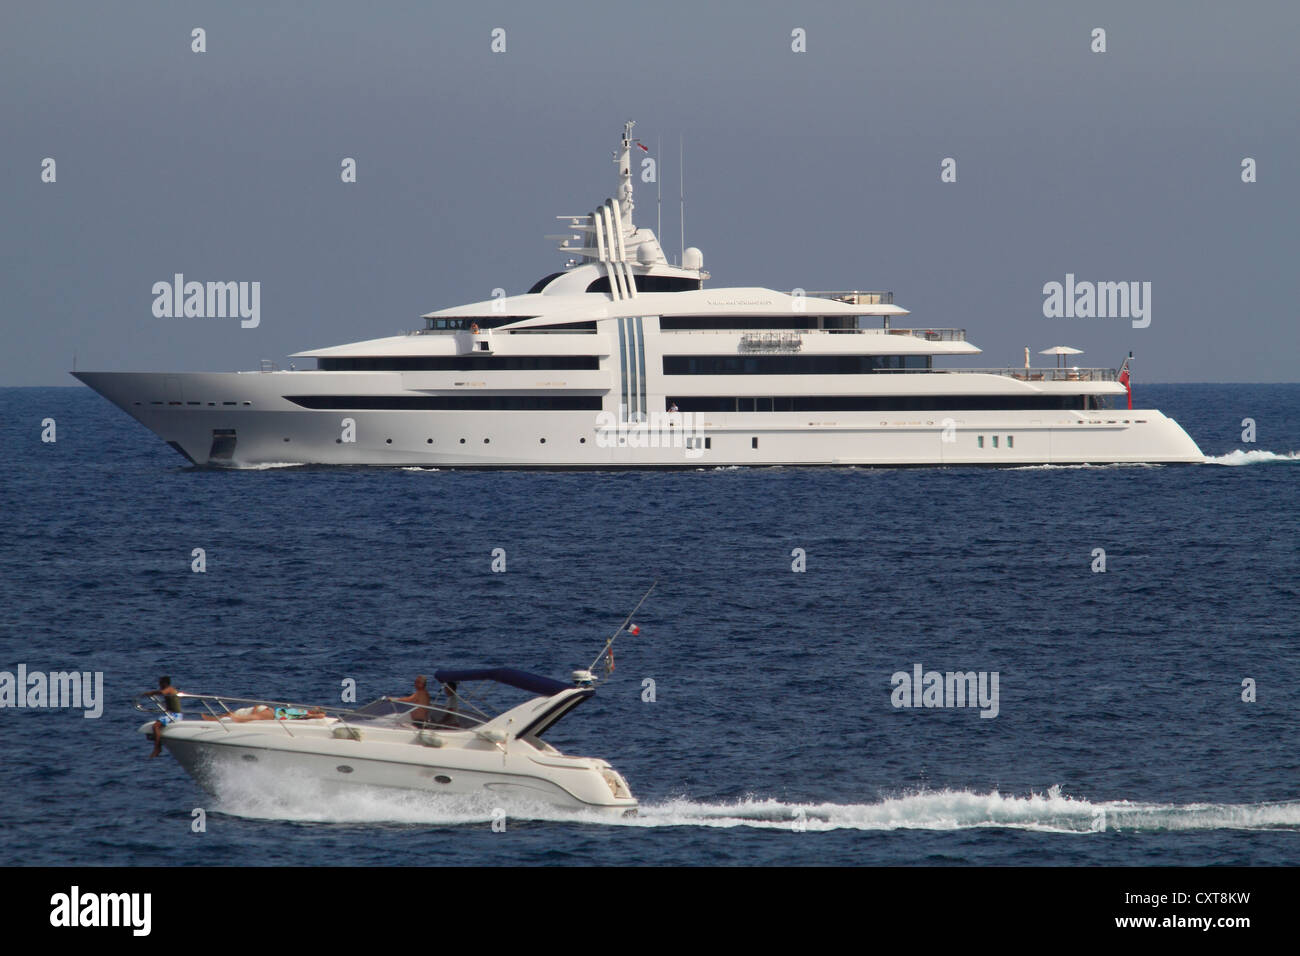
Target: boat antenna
{"x": 626, "y": 621}
{"x": 659, "y": 186}
{"x": 681, "y": 182}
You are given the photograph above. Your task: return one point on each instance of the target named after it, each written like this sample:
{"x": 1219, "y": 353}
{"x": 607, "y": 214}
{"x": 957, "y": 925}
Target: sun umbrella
{"x": 1060, "y": 351}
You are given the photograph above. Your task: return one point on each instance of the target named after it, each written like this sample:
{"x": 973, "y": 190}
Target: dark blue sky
{"x": 817, "y": 170}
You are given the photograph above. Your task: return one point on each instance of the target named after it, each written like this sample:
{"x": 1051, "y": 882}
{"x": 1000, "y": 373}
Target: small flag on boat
{"x": 634, "y": 630}
{"x": 1124, "y": 380}
{"x": 642, "y": 146}
{"x": 609, "y": 660}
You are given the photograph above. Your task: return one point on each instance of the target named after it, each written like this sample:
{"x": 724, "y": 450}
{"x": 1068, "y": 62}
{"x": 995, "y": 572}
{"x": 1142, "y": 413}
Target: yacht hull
{"x": 247, "y": 420}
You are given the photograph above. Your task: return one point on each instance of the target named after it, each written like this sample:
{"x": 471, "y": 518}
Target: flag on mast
{"x": 1124, "y": 380}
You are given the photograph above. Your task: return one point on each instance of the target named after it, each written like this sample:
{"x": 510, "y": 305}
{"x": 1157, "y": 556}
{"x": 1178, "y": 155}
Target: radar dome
{"x": 692, "y": 258}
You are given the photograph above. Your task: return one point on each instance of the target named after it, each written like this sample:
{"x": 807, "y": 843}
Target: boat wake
{"x": 284, "y": 797}
{"x": 1240, "y": 457}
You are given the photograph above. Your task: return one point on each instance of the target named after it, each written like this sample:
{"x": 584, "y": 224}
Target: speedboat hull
{"x": 216, "y": 752}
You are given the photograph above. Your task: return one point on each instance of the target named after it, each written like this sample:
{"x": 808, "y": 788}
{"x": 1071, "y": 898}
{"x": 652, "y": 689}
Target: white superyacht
{"x": 625, "y": 360}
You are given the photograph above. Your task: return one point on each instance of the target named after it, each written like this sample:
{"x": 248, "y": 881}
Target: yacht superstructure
{"x": 625, "y": 360}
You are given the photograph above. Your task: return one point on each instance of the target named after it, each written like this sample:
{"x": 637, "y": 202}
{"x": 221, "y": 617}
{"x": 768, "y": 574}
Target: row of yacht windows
{"x": 793, "y": 364}
{"x": 880, "y": 403}
{"x": 508, "y": 403}
{"x": 458, "y": 363}
{"x": 842, "y": 323}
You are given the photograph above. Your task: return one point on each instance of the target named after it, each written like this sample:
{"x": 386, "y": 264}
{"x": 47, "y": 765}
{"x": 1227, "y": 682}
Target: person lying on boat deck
{"x": 266, "y": 712}
{"x": 172, "y": 706}
{"x": 419, "y": 716}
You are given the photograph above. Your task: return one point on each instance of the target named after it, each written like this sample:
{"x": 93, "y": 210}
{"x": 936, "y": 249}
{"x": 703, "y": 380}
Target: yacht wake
{"x": 300, "y": 799}
{"x": 1241, "y": 457}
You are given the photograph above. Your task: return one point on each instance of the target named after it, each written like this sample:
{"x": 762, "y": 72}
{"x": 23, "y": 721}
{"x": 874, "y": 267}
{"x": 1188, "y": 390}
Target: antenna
{"x": 626, "y": 621}
{"x": 659, "y": 185}
{"x": 681, "y": 179}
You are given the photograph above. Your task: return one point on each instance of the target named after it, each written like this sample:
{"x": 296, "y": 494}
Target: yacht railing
{"x": 855, "y": 297}
{"x": 1043, "y": 374}
{"x": 930, "y": 335}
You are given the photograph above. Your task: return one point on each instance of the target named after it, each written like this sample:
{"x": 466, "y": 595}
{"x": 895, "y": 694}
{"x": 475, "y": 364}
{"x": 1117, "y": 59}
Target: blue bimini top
{"x": 504, "y": 675}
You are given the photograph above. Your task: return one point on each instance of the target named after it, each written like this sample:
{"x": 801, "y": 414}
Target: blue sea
{"x": 1121, "y": 735}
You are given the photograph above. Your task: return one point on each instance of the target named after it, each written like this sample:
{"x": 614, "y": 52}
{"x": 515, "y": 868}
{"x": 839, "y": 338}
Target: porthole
{"x": 462, "y": 441}
{"x": 428, "y": 441}
{"x": 582, "y": 441}
{"x": 388, "y": 441}
{"x": 286, "y": 439}
{"x": 486, "y": 440}
{"x": 338, "y": 441}
{"x": 343, "y": 768}
{"x": 442, "y": 778}
{"x": 541, "y": 441}
{"x": 249, "y": 757}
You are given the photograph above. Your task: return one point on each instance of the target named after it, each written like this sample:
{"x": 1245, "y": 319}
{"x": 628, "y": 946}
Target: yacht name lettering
{"x": 1101, "y": 300}
{"x": 83, "y": 690}
{"x": 75, "y": 909}
{"x": 208, "y": 300}
{"x": 953, "y": 689}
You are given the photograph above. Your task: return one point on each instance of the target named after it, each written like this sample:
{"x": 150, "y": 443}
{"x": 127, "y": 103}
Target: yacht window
{"x": 753, "y": 442}
{"x": 793, "y": 364}
{"x": 876, "y": 403}
{"x": 651, "y": 284}
{"x": 980, "y": 441}
{"x": 1011, "y": 441}
{"x": 510, "y": 403}
{"x": 995, "y": 441}
{"x": 458, "y": 363}
{"x": 543, "y": 282}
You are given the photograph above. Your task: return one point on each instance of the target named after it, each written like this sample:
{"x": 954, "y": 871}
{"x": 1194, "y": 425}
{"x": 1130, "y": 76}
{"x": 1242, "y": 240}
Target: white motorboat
{"x": 453, "y": 745}
{"x": 623, "y": 360}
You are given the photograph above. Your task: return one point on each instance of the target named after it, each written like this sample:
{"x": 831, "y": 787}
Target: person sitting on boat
{"x": 419, "y": 715}
{"x": 449, "y": 718}
{"x": 172, "y": 710}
